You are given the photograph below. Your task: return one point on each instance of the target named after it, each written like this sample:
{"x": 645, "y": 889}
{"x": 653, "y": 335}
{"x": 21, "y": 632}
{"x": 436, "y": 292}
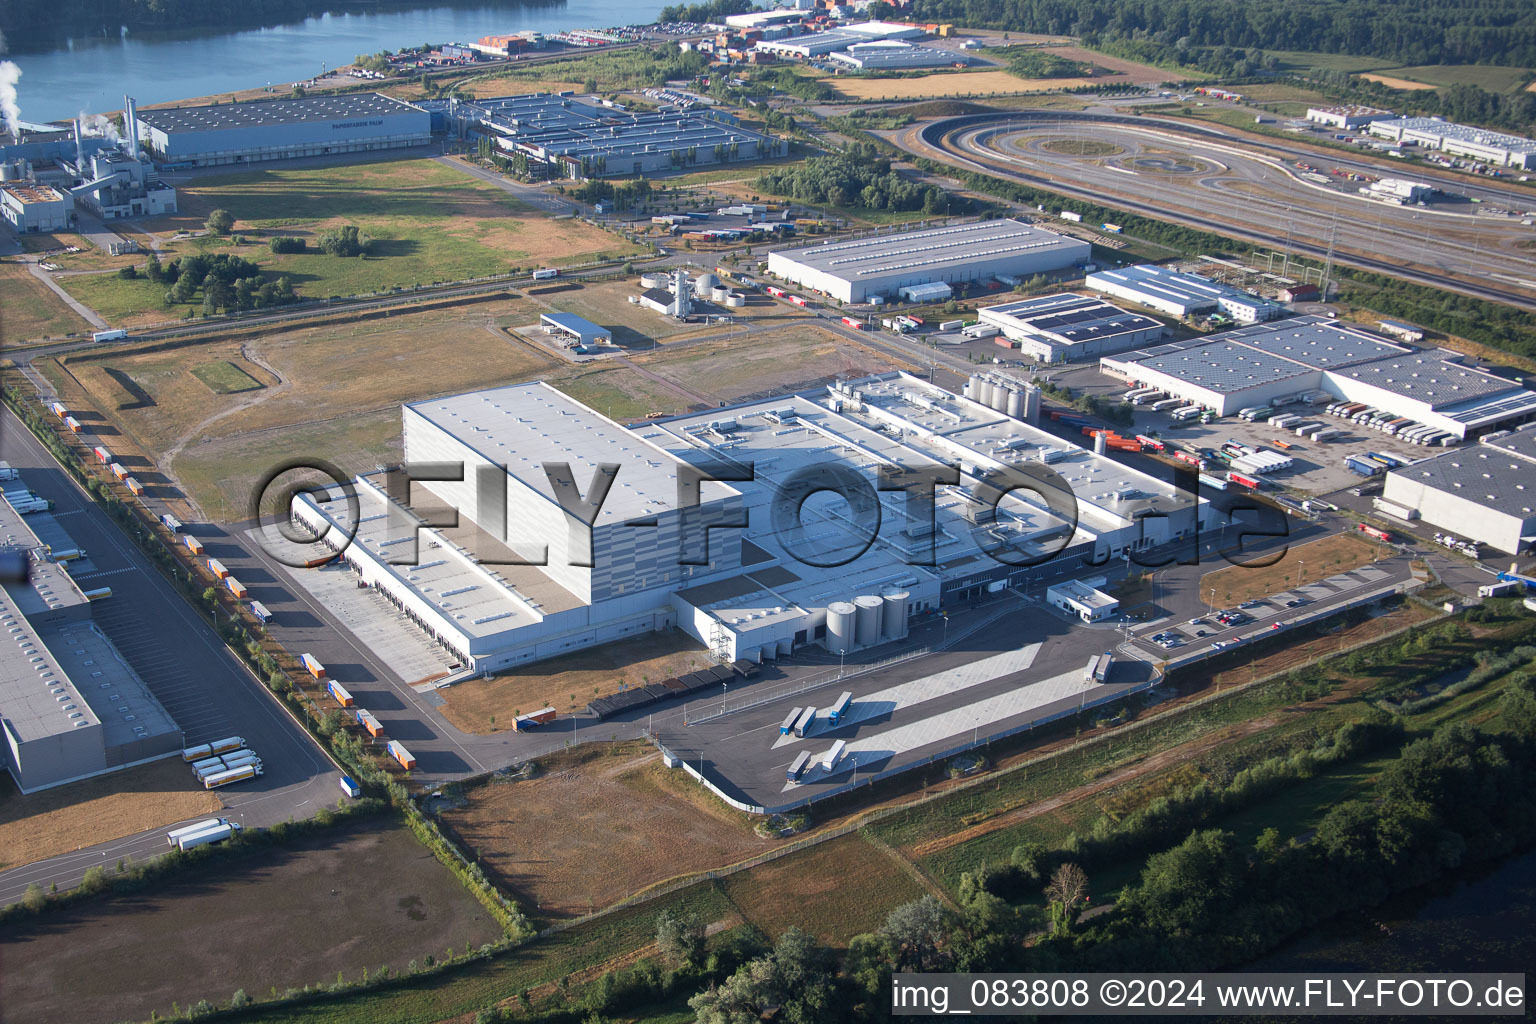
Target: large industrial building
{"x": 763, "y": 563}
{"x": 1267, "y": 364}
{"x": 894, "y": 55}
{"x": 31, "y": 207}
{"x": 70, "y": 706}
{"x": 323, "y": 125}
{"x": 819, "y": 44}
{"x": 566, "y": 136}
{"x": 1485, "y": 493}
{"x": 1180, "y": 294}
{"x": 1065, "y": 327}
{"x": 857, "y": 270}
{"x": 1349, "y": 115}
{"x": 1497, "y": 148}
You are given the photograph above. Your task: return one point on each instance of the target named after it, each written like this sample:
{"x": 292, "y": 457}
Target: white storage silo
{"x": 1015, "y": 403}
{"x": 719, "y": 293}
{"x": 840, "y": 627}
{"x": 704, "y": 284}
{"x": 655, "y": 279}
{"x": 893, "y": 617}
{"x": 867, "y": 631}
{"x": 984, "y": 392}
{"x": 1032, "y": 405}
{"x": 1100, "y": 443}
{"x": 1000, "y": 397}
{"x": 735, "y": 300}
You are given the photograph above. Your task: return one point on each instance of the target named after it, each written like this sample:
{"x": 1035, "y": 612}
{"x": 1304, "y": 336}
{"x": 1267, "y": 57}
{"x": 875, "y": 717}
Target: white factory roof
{"x": 933, "y": 249}
{"x": 1463, "y": 133}
{"x": 1166, "y": 284}
{"x": 1437, "y": 378}
{"x": 323, "y": 107}
{"x": 1315, "y": 341}
{"x": 523, "y": 426}
{"x": 1492, "y": 475}
{"x": 1067, "y": 317}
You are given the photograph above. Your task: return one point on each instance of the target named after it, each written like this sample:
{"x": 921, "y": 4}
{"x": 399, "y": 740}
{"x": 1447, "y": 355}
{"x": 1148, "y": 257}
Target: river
{"x": 92, "y": 73}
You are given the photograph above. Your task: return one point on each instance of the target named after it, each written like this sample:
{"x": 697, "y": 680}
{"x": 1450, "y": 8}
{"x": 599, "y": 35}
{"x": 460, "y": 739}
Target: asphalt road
{"x": 1430, "y": 245}
{"x": 204, "y": 687}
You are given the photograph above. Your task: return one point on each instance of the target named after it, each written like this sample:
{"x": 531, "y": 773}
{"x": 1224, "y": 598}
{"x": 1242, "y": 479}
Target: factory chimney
{"x": 79, "y": 147}
{"x": 131, "y": 126}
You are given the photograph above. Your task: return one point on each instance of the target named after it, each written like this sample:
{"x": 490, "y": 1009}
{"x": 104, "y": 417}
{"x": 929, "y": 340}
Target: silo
{"x": 735, "y": 300}
{"x": 840, "y": 627}
{"x": 984, "y": 393}
{"x": 1100, "y": 443}
{"x": 1000, "y": 397}
{"x": 10, "y": 171}
{"x": 893, "y": 617}
{"x": 868, "y": 624}
{"x": 1032, "y": 405}
{"x": 1015, "y": 403}
{"x": 655, "y": 279}
{"x": 972, "y": 387}
{"x": 719, "y": 293}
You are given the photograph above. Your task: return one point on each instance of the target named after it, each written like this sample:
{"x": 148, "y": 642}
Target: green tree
{"x": 220, "y": 222}
{"x": 94, "y": 879}
{"x": 34, "y": 899}
{"x": 680, "y": 938}
{"x": 916, "y": 932}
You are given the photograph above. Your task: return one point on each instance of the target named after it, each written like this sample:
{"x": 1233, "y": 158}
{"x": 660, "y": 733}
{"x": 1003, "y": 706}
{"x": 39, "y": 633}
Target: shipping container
{"x": 217, "y": 568}
{"x": 788, "y": 725}
{"x": 73, "y": 424}
{"x": 367, "y": 721}
{"x": 1150, "y": 442}
{"x": 134, "y": 487}
{"x": 339, "y": 693}
{"x": 59, "y": 410}
{"x": 1361, "y": 467}
{"x": 312, "y": 665}
{"x": 116, "y": 470}
{"x": 204, "y": 750}
{"x": 840, "y": 707}
{"x": 193, "y": 544}
{"x": 113, "y": 335}
{"x": 533, "y": 719}
{"x": 1185, "y": 414}
{"x": 1371, "y": 531}
{"x": 171, "y": 523}
{"x": 350, "y": 787}
{"x": 796, "y": 300}
{"x": 1393, "y": 509}
{"x": 175, "y": 834}
{"x": 208, "y": 764}
{"x": 1252, "y": 483}
{"x": 951, "y": 325}
{"x": 260, "y": 611}
{"x": 804, "y": 722}
{"x": 102, "y": 455}
{"x": 96, "y": 593}
{"x": 1166, "y": 404}
{"x": 236, "y": 587}
{"x": 399, "y": 753}
{"x": 224, "y": 778}
{"x": 797, "y": 766}
{"x": 1214, "y": 483}
{"x": 545, "y": 274}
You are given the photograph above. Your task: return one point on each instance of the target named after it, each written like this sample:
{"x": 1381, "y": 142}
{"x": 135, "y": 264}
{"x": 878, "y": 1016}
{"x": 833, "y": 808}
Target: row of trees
{"x": 710, "y": 10}
{"x": 227, "y": 282}
{"x": 1409, "y": 31}
{"x": 858, "y": 177}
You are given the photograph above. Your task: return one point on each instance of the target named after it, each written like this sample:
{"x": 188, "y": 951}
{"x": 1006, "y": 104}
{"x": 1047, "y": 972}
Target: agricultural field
{"x": 625, "y": 822}
{"x": 1485, "y": 76}
{"x": 961, "y": 85}
{"x": 1300, "y": 565}
{"x": 32, "y": 310}
{"x": 92, "y": 811}
{"x": 330, "y": 903}
{"x": 429, "y": 222}
{"x": 484, "y": 706}
{"x": 1393, "y": 82}
{"x": 835, "y": 890}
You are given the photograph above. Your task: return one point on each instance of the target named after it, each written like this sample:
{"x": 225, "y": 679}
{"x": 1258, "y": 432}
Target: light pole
{"x": 945, "y": 617}
{"x": 723, "y": 687}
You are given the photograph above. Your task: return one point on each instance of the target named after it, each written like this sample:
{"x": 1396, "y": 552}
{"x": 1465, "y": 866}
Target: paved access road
{"x": 206, "y": 689}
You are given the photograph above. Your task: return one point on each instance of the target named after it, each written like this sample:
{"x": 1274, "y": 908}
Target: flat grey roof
{"x": 1224, "y": 368}
{"x": 1316, "y": 341}
{"x": 1430, "y": 377}
{"x": 1482, "y": 474}
{"x": 1072, "y": 318}
{"x": 934, "y": 248}
{"x": 577, "y": 325}
{"x": 341, "y": 107}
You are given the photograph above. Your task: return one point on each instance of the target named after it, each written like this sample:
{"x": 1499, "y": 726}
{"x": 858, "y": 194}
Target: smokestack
{"x": 131, "y": 126}
{"x": 79, "y": 146}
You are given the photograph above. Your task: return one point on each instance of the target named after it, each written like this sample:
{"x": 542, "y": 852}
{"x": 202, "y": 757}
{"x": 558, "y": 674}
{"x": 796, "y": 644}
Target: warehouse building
{"x": 233, "y": 133}
{"x": 569, "y": 137}
{"x": 1485, "y": 493}
{"x": 894, "y": 54}
{"x": 1490, "y": 147}
{"x": 1179, "y": 294}
{"x": 1269, "y": 364}
{"x": 1350, "y": 115}
{"x": 759, "y": 566}
{"x": 70, "y": 706}
{"x": 30, "y": 206}
{"x": 856, "y": 270}
{"x": 1066, "y": 328}
{"x": 820, "y": 44}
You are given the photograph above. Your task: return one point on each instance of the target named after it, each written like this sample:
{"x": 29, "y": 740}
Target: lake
{"x": 92, "y": 73}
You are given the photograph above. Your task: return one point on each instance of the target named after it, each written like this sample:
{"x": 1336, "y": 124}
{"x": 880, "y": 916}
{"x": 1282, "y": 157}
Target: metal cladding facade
{"x": 282, "y": 129}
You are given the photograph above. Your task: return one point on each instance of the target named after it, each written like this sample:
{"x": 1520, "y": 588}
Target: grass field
{"x": 622, "y": 394}
{"x": 770, "y": 361}
{"x": 1484, "y": 76}
{"x": 81, "y": 814}
{"x": 225, "y": 378}
{"x": 329, "y": 903}
{"x": 835, "y": 890}
{"x": 1302, "y": 60}
{"x": 968, "y": 84}
{"x": 622, "y": 826}
{"x": 489, "y": 705}
{"x": 430, "y": 222}
{"x": 1307, "y": 563}
{"x": 31, "y": 309}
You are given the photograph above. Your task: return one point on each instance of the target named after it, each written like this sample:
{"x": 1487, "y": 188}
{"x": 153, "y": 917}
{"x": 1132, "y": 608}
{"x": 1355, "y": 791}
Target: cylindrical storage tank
{"x": 972, "y": 384}
{"x": 840, "y": 627}
{"x": 1015, "y": 404}
{"x": 705, "y": 283}
{"x": 719, "y": 293}
{"x": 1000, "y": 397}
{"x": 984, "y": 392}
{"x": 893, "y": 617}
{"x": 1100, "y": 444}
{"x": 786, "y": 646}
{"x": 735, "y": 300}
{"x": 1031, "y": 405}
{"x": 867, "y": 630}
{"x": 655, "y": 280}
{"x": 9, "y": 171}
